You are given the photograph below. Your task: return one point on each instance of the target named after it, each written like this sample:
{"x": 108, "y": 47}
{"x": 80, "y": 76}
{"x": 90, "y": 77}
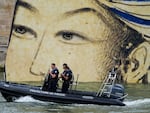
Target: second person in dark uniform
{"x": 66, "y": 77}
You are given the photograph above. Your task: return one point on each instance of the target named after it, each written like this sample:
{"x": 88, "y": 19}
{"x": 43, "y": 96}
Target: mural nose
{"x": 35, "y": 71}
{"x": 39, "y": 64}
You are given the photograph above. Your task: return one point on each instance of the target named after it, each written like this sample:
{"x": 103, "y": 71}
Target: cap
{"x": 134, "y": 13}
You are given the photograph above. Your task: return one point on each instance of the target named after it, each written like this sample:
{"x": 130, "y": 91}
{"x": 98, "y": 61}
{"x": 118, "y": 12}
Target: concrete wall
{"x": 6, "y": 15}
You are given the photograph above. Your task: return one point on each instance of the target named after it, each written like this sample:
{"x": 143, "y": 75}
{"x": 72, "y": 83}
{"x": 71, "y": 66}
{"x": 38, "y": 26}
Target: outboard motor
{"x": 118, "y": 91}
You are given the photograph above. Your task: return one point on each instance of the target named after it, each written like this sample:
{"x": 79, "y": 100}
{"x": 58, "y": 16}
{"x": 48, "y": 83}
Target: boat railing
{"x": 107, "y": 85}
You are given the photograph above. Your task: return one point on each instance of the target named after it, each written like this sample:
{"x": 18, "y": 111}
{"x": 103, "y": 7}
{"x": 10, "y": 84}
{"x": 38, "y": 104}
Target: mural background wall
{"x": 91, "y": 36}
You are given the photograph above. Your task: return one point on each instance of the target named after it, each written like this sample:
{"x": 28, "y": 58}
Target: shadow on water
{"x": 138, "y": 91}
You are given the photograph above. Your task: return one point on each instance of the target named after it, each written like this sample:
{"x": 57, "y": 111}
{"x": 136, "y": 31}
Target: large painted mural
{"x": 91, "y": 36}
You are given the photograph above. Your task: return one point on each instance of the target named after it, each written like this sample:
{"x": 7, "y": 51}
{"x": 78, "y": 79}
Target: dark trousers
{"x": 46, "y": 83}
{"x": 65, "y": 86}
{"x": 52, "y": 87}
{"x": 45, "y": 86}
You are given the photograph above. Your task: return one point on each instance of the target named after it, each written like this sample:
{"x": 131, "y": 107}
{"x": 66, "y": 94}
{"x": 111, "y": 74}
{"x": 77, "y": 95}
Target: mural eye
{"x": 71, "y": 37}
{"x": 20, "y": 29}
{"x": 68, "y": 36}
{"x": 23, "y": 32}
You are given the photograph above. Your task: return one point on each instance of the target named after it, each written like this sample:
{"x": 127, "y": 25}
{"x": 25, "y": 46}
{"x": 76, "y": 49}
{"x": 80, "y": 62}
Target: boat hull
{"x": 12, "y": 91}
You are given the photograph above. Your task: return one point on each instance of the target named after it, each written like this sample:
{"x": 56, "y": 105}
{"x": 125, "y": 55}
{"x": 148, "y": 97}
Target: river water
{"x": 138, "y": 101}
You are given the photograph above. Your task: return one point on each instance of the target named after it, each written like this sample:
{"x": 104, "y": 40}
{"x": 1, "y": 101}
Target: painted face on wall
{"x": 77, "y": 32}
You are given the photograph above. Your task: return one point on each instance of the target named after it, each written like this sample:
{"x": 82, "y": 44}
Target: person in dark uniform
{"x": 51, "y": 79}
{"x": 66, "y": 77}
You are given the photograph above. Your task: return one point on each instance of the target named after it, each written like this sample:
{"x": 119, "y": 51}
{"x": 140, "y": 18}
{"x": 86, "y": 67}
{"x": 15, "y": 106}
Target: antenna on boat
{"x": 76, "y": 83}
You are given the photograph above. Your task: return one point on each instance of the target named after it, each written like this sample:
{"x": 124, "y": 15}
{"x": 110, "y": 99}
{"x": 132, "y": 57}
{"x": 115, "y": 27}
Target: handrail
{"x": 109, "y": 80}
{"x": 123, "y": 97}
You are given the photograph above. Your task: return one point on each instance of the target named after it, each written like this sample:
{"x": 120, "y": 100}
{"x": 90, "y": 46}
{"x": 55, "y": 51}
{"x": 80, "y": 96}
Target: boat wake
{"x": 128, "y": 103}
{"x": 28, "y": 99}
{"x": 138, "y": 102}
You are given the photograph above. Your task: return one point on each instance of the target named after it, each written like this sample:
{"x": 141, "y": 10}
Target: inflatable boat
{"x": 108, "y": 94}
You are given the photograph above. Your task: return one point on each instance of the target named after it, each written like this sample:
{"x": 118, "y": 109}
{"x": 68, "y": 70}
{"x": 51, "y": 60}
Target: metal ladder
{"x": 107, "y": 85}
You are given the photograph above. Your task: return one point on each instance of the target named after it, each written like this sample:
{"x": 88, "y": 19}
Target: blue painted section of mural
{"x": 133, "y": 0}
{"x": 138, "y": 0}
{"x": 130, "y": 17}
